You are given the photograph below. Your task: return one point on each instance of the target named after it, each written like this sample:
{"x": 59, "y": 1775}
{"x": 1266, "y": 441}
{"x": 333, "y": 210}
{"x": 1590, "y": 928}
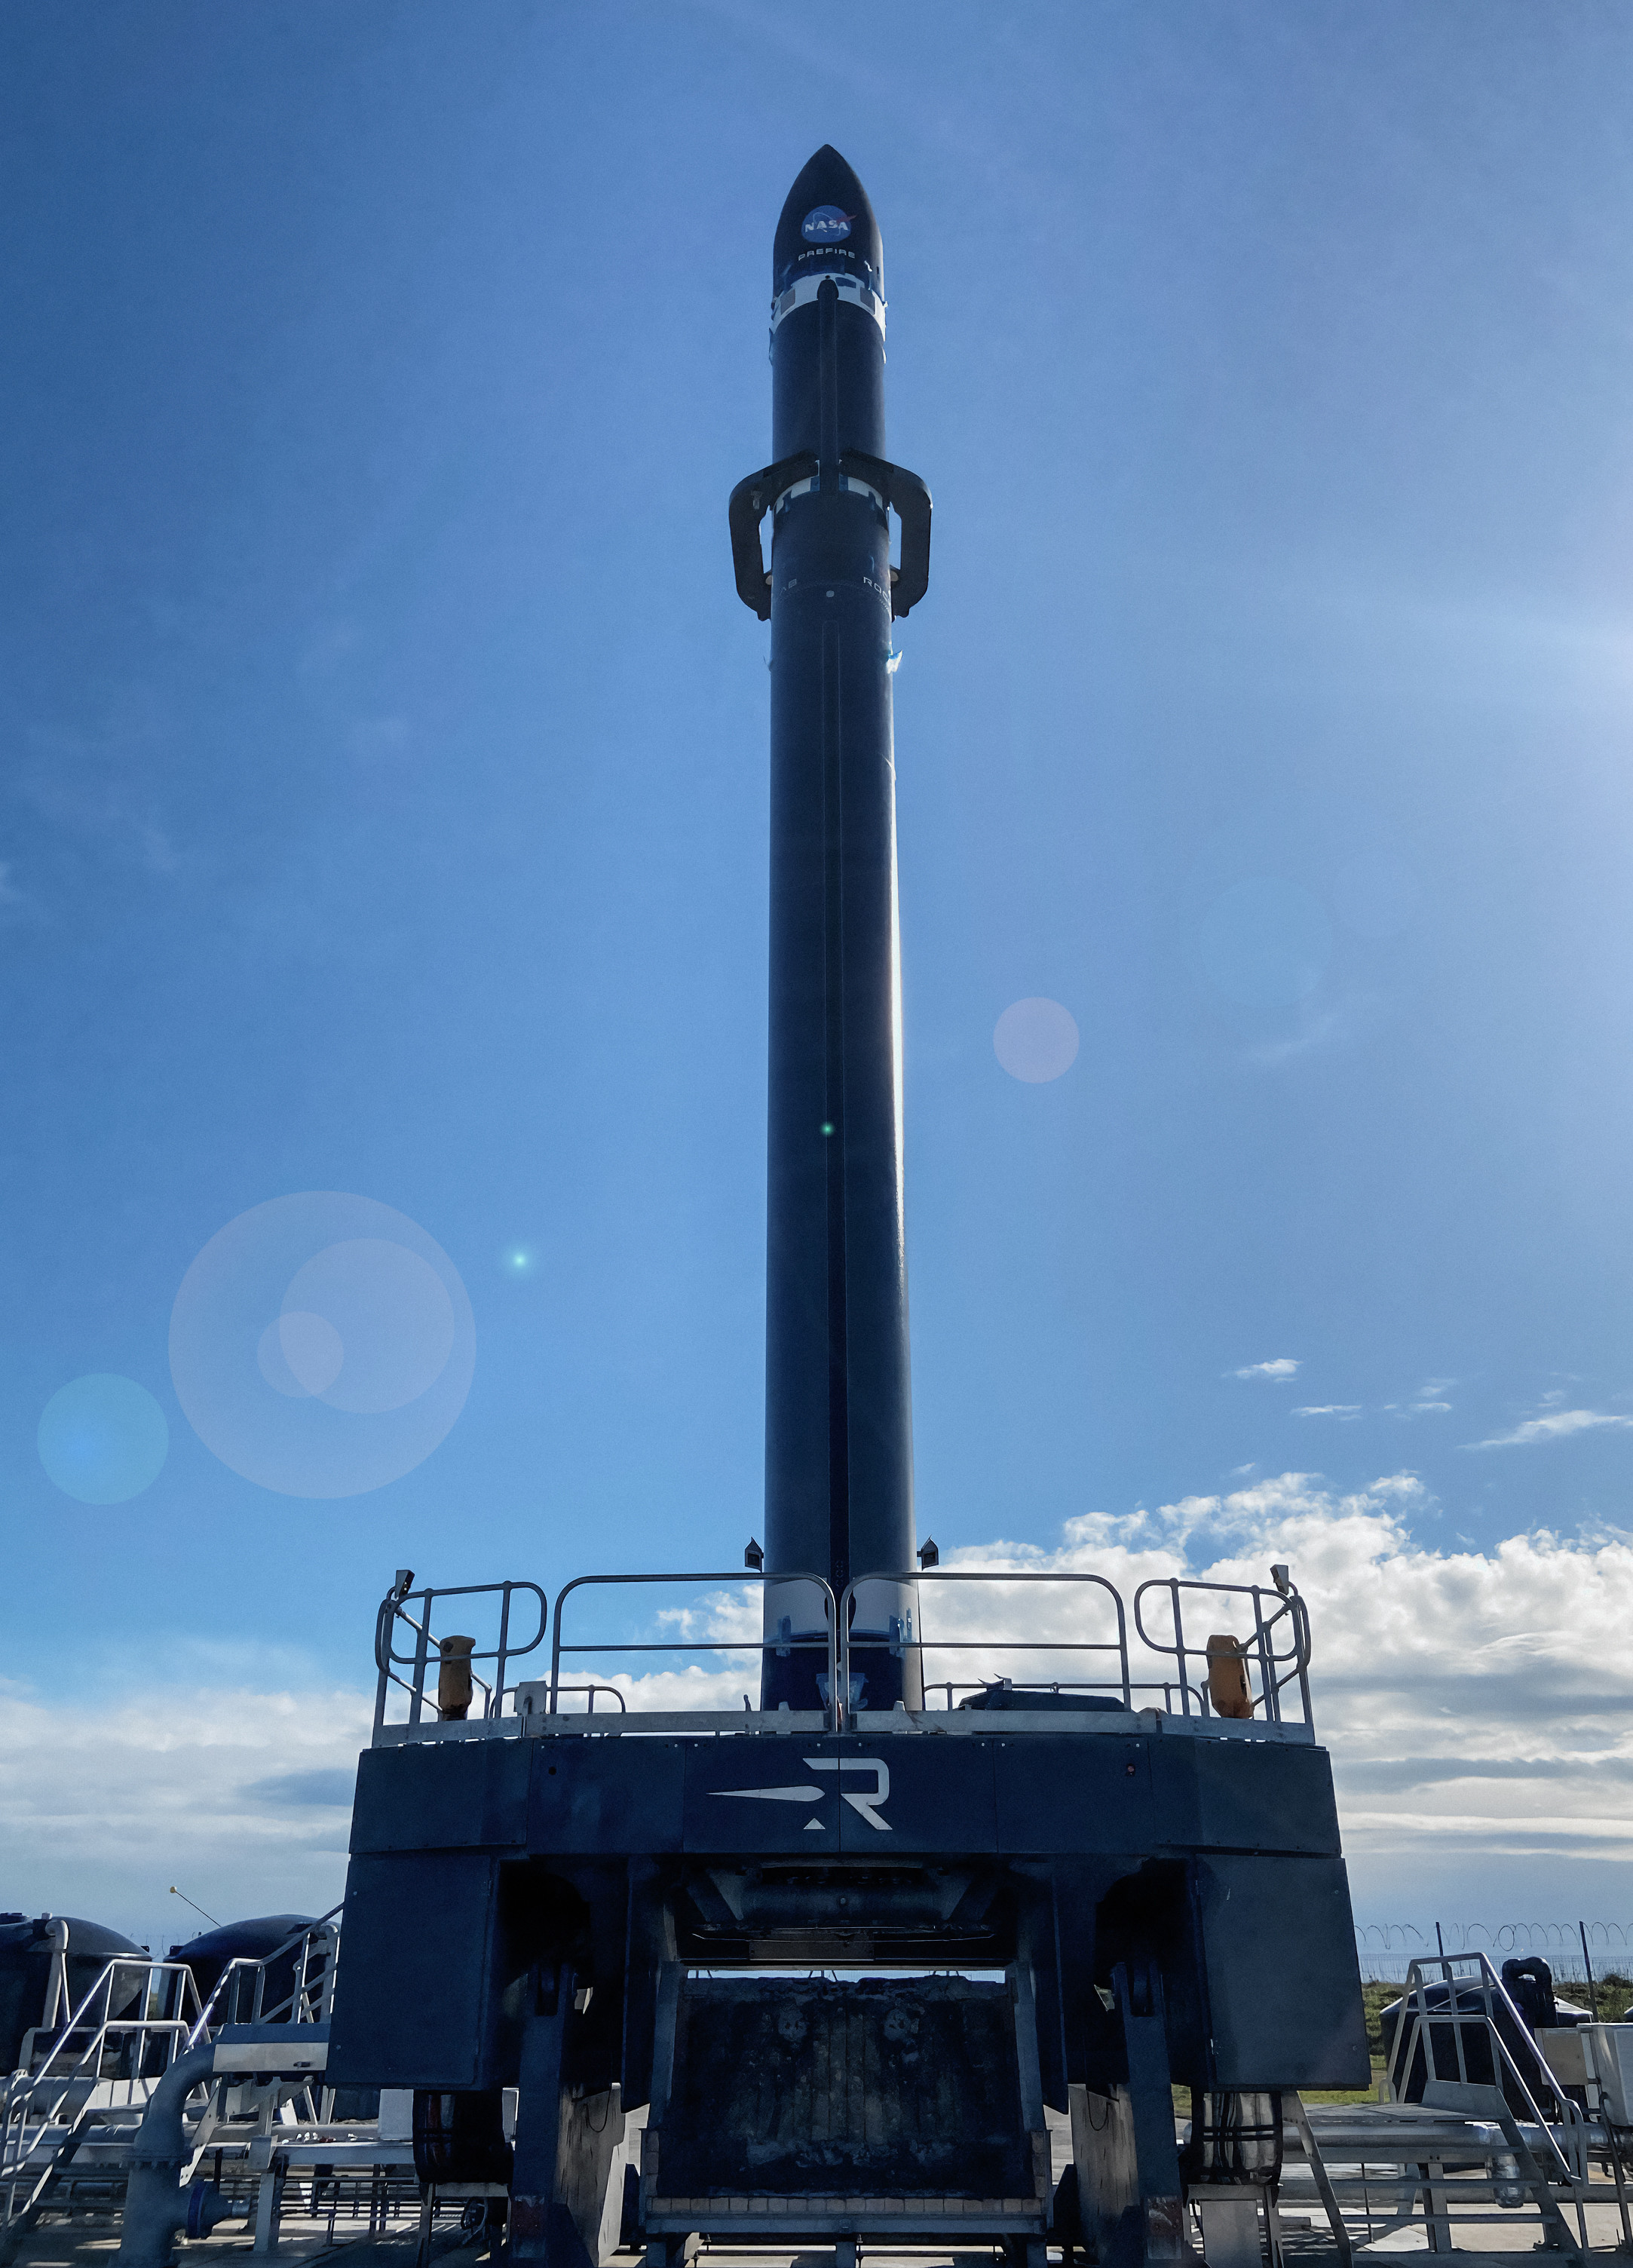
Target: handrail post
{"x": 417, "y": 1699}
{"x": 1264, "y": 1646}
{"x": 1457, "y": 2011}
{"x": 556, "y": 1642}
{"x": 1179, "y": 1648}
{"x": 1301, "y": 1639}
{"x": 383, "y": 1622}
{"x": 504, "y": 1633}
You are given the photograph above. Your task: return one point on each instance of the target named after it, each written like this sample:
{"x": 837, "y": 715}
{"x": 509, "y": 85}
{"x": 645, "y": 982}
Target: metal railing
{"x": 1474, "y": 2002}
{"x": 591, "y": 1691}
{"x": 785, "y": 1643}
{"x": 137, "y": 2018}
{"x": 1278, "y": 1667}
{"x": 239, "y": 1994}
{"x": 900, "y": 1640}
{"x": 115, "y": 2043}
{"x": 1549, "y": 2153}
{"x": 1166, "y": 1686}
{"x": 1271, "y": 1662}
{"x": 425, "y": 1654}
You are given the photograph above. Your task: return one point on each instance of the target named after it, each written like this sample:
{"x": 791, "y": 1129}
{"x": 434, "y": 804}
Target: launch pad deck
{"x": 851, "y": 1959}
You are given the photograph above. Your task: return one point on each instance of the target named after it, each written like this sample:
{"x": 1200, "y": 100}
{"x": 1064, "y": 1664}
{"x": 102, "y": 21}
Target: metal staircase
{"x": 1492, "y": 2130}
{"x": 70, "y": 2114}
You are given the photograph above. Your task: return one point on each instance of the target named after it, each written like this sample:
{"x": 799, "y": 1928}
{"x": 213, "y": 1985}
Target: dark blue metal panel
{"x": 1073, "y": 1795}
{"x": 1241, "y": 1795}
{"x": 444, "y": 1795}
{"x": 1176, "y": 1807}
{"x": 1284, "y": 1983}
{"x": 402, "y": 2022}
{"x": 1257, "y": 1797}
{"x": 610, "y": 1796}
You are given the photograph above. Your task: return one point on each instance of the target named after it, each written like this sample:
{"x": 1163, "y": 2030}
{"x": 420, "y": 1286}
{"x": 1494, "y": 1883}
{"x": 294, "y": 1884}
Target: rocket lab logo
{"x": 865, "y": 1805}
{"x": 824, "y": 225}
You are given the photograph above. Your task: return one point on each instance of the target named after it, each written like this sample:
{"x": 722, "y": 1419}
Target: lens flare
{"x": 1266, "y": 943}
{"x": 103, "y": 1438}
{"x": 1035, "y": 1040}
{"x": 322, "y": 1344}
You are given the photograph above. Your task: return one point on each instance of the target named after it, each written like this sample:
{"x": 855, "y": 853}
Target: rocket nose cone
{"x": 827, "y": 222}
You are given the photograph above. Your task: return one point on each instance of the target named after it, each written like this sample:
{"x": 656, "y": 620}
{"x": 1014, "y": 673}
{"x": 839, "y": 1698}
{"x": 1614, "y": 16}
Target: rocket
{"x": 839, "y": 1437}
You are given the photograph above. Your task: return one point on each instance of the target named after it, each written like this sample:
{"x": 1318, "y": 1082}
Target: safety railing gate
{"x": 406, "y": 1670}
{"x": 784, "y": 1642}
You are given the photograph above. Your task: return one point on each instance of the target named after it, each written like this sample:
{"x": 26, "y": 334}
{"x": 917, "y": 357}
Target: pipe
{"x": 155, "y": 2207}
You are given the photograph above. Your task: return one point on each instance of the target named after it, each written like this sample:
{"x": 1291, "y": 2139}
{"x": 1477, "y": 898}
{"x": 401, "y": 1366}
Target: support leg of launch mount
{"x": 564, "y": 2142}
{"x": 1128, "y": 2166}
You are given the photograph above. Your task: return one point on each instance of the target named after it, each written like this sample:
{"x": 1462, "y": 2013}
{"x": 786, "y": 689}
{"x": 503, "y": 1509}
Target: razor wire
{"x": 1387, "y": 1948}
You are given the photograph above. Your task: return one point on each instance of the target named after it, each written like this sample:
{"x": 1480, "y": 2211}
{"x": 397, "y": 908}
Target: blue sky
{"x": 383, "y": 801}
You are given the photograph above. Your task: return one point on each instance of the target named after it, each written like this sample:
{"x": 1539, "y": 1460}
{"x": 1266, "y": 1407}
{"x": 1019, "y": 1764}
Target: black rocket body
{"x": 839, "y": 1443}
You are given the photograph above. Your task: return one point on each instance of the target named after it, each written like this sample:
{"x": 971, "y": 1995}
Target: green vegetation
{"x": 1610, "y": 2000}
{"x": 1610, "y": 1997}
{"x": 1375, "y": 1999}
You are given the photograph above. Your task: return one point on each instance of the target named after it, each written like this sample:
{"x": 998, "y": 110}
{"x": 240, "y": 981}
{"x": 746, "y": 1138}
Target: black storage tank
{"x": 26, "y": 1951}
{"x": 256, "y": 1940}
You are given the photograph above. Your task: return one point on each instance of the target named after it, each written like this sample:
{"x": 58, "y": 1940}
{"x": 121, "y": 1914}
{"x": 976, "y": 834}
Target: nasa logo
{"x": 824, "y": 225}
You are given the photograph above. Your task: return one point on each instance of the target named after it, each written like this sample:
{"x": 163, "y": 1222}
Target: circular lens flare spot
{"x": 1266, "y": 943}
{"x": 103, "y": 1438}
{"x": 1035, "y": 1040}
{"x": 390, "y": 1321}
{"x": 300, "y": 1353}
{"x": 322, "y": 1344}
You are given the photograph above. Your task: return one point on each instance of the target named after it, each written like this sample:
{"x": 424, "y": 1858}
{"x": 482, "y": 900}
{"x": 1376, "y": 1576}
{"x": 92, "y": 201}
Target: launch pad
{"x": 846, "y": 1956}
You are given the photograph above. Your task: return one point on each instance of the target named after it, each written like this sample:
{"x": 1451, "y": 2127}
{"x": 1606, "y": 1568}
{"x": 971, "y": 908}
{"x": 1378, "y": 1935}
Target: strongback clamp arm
{"x": 906, "y": 495}
{"x": 902, "y": 491}
{"x": 751, "y": 500}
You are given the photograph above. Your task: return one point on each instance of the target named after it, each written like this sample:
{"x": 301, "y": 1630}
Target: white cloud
{"x": 103, "y": 1807}
{"x": 1329, "y": 1409}
{"x": 1478, "y": 1706}
{"x": 1427, "y": 1401}
{"x": 1317, "y": 1028}
{"x": 1553, "y": 1425}
{"x": 1280, "y": 1369}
